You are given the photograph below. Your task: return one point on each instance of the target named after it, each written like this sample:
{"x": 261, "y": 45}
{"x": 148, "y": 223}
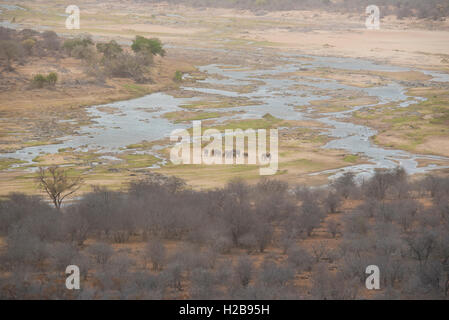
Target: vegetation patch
{"x": 186, "y": 116}
{"x": 134, "y": 161}
{"x": 8, "y": 162}
{"x": 351, "y": 158}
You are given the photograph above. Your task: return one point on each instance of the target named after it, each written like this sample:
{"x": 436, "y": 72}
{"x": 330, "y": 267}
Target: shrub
{"x": 126, "y": 65}
{"x": 52, "y": 78}
{"x": 40, "y": 81}
{"x": 178, "y": 76}
{"x": 344, "y": 185}
{"x": 300, "y": 258}
{"x": 110, "y": 50}
{"x": 273, "y": 274}
{"x": 155, "y": 252}
{"x": 101, "y": 252}
{"x": 51, "y": 40}
{"x": 28, "y": 45}
{"x": 80, "y": 48}
{"x": 70, "y": 44}
{"x": 243, "y": 271}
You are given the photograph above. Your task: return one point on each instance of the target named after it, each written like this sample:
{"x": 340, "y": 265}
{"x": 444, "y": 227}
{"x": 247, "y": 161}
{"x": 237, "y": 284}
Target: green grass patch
{"x": 351, "y": 158}
{"x": 184, "y": 116}
{"x": 39, "y": 143}
{"x": 267, "y": 122}
{"x": 135, "y": 88}
{"x": 7, "y": 163}
{"x": 135, "y": 161}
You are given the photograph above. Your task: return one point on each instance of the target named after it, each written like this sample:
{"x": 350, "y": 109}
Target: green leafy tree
{"x": 151, "y": 46}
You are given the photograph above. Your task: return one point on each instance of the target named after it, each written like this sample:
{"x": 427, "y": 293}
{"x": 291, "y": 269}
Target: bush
{"x": 28, "y": 45}
{"x": 126, "y": 65}
{"x": 110, "y": 50}
{"x": 51, "y": 40}
{"x": 52, "y": 78}
{"x": 401, "y": 236}
{"x": 40, "y": 81}
{"x": 300, "y": 259}
{"x": 243, "y": 271}
{"x": 101, "y": 252}
{"x": 332, "y": 202}
{"x": 273, "y": 274}
{"x": 178, "y": 76}
{"x": 70, "y": 44}
{"x": 155, "y": 252}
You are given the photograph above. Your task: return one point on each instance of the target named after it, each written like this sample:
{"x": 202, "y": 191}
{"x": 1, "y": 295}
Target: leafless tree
{"x": 344, "y": 185}
{"x": 333, "y": 202}
{"x": 333, "y": 227}
{"x": 300, "y": 258}
{"x": 56, "y": 182}
{"x": 320, "y": 250}
{"x": 244, "y": 270}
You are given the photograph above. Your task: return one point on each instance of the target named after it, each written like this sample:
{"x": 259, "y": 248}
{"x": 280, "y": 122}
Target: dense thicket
{"x": 434, "y": 9}
{"x": 160, "y": 239}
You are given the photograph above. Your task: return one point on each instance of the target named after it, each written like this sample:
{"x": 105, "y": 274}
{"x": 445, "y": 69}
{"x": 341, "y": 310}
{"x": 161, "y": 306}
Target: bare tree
{"x": 320, "y": 250}
{"x": 344, "y": 185}
{"x": 300, "y": 258}
{"x": 10, "y": 51}
{"x": 156, "y": 253}
{"x": 101, "y": 252}
{"x": 57, "y": 184}
{"x": 334, "y": 228}
{"x": 332, "y": 202}
{"x": 377, "y": 186}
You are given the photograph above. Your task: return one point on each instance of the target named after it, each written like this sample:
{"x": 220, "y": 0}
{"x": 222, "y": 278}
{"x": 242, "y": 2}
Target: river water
{"x": 275, "y": 91}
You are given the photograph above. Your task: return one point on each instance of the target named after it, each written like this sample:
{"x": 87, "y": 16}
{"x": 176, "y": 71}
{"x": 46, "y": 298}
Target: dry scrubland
{"x": 159, "y": 239}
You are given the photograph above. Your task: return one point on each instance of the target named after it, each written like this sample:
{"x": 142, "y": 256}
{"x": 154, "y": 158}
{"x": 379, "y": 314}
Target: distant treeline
{"x": 434, "y": 9}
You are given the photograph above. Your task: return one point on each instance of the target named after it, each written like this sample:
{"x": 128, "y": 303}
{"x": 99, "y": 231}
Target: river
{"x": 141, "y": 119}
